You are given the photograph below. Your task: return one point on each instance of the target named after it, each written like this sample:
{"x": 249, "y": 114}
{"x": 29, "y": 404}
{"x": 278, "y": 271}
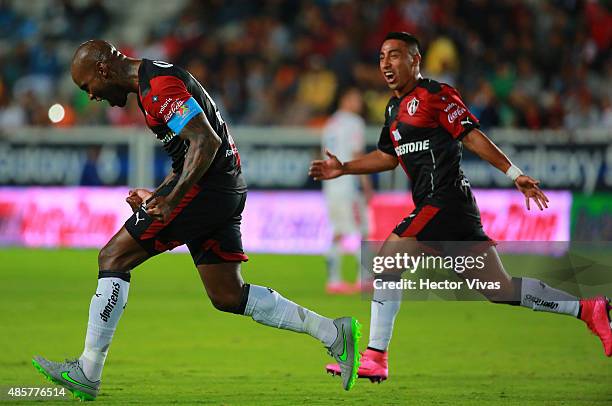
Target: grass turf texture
{"x": 172, "y": 346}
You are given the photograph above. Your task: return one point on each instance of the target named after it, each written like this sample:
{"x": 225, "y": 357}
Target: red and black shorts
{"x": 207, "y": 221}
{"x": 451, "y": 221}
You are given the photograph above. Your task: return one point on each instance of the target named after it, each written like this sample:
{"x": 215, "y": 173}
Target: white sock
{"x": 105, "y": 310}
{"x": 334, "y": 262}
{"x": 384, "y": 308}
{"x": 539, "y": 296}
{"x": 267, "y": 307}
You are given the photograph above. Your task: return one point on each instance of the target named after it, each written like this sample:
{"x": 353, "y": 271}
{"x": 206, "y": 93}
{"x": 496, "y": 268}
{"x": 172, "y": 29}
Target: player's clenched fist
{"x": 136, "y": 197}
{"x": 160, "y": 208}
{"x": 326, "y": 169}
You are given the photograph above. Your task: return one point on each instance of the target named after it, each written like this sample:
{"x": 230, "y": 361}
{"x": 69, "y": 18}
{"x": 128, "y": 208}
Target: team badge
{"x": 412, "y": 106}
{"x": 155, "y": 98}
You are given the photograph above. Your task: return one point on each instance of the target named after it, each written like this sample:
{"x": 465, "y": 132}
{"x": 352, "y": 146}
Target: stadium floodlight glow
{"x": 56, "y": 113}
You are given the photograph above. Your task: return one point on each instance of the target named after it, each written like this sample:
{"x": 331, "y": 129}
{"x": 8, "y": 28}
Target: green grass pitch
{"x": 172, "y": 346}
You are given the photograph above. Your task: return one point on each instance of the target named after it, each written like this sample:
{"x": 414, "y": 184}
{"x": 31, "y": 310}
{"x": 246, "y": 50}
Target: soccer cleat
{"x": 70, "y": 375}
{"x": 594, "y": 312}
{"x": 365, "y": 286}
{"x": 374, "y": 366}
{"x": 339, "y": 288}
{"x": 345, "y": 349}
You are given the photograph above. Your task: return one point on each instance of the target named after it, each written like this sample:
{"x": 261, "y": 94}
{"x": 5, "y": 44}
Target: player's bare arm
{"x": 203, "y": 146}
{"x": 365, "y": 181}
{"x": 169, "y": 178}
{"x": 477, "y": 142}
{"x": 330, "y": 168}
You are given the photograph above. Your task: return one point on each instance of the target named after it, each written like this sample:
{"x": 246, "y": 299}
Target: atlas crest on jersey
{"x": 412, "y": 106}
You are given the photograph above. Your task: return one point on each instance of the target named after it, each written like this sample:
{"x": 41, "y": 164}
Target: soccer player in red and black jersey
{"x": 199, "y": 204}
{"x": 426, "y": 126}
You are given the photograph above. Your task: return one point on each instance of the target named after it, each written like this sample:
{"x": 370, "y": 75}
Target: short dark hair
{"x": 408, "y": 38}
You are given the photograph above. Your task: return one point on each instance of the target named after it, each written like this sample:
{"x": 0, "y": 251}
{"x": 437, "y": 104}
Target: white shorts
{"x": 347, "y": 215}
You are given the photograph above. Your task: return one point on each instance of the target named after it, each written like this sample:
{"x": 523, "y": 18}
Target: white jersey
{"x": 344, "y": 136}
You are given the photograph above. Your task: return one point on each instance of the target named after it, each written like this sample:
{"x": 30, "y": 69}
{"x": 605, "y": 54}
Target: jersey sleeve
{"x": 175, "y": 106}
{"x": 452, "y": 114}
{"x": 384, "y": 141}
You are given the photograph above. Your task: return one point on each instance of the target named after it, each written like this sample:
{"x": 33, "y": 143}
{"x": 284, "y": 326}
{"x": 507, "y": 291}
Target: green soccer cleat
{"x": 345, "y": 349}
{"x": 70, "y": 375}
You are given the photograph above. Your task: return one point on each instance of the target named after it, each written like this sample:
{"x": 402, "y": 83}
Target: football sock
{"x": 539, "y": 296}
{"x": 333, "y": 259}
{"x": 267, "y": 307}
{"x": 383, "y": 310}
{"x": 105, "y": 310}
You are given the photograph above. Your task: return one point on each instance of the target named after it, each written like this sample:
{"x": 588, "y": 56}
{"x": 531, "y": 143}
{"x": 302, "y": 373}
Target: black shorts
{"x": 450, "y": 221}
{"x": 207, "y": 221}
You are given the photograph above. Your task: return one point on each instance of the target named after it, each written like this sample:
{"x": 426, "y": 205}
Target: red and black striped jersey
{"x": 423, "y": 129}
{"x": 169, "y": 97}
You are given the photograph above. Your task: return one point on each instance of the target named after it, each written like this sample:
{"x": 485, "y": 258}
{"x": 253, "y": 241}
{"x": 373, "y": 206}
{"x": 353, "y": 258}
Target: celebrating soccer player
{"x": 199, "y": 204}
{"x": 426, "y": 125}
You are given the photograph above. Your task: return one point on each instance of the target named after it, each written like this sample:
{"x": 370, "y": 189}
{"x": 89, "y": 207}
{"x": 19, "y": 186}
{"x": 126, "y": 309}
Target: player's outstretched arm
{"x": 330, "y": 168}
{"x": 203, "y": 145}
{"x": 477, "y": 142}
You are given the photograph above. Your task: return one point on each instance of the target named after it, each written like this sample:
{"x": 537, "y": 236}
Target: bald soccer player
{"x": 199, "y": 204}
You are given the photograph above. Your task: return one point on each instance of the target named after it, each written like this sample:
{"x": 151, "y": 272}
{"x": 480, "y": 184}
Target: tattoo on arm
{"x": 203, "y": 146}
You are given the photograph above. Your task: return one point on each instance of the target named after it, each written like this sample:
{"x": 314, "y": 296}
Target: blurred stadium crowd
{"x": 518, "y": 63}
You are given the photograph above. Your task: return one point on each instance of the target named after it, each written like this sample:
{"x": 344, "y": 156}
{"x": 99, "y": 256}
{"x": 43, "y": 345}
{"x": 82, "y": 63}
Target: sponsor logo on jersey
{"x": 173, "y": 109}
{"x": 396, "y": 135}
{"x": 450, "y": 106}
{"x": 232, "y": 147}
{"x": 412, "y": 106}
{"x": 110, "y": 305}
{"x": 164, "y": 105}
{"x": 453, "y": 116}
{"x": 410, "y": 147}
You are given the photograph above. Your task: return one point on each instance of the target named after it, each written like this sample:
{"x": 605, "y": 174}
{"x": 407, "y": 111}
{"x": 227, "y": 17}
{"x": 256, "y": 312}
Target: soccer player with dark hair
{"x": 426, "y": 126}
{"x": 199, "y": 204}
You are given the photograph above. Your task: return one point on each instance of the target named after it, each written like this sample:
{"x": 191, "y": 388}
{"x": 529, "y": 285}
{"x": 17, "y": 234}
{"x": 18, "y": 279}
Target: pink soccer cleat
{"x": 373, "y": 366}
{"x": 364, "y": 286}
{"x": 339, "y": 288}
{"x": 594, "y": 312}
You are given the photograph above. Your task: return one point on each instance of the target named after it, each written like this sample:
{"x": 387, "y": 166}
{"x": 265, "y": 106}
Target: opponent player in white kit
{"x": 344, "y": 133}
